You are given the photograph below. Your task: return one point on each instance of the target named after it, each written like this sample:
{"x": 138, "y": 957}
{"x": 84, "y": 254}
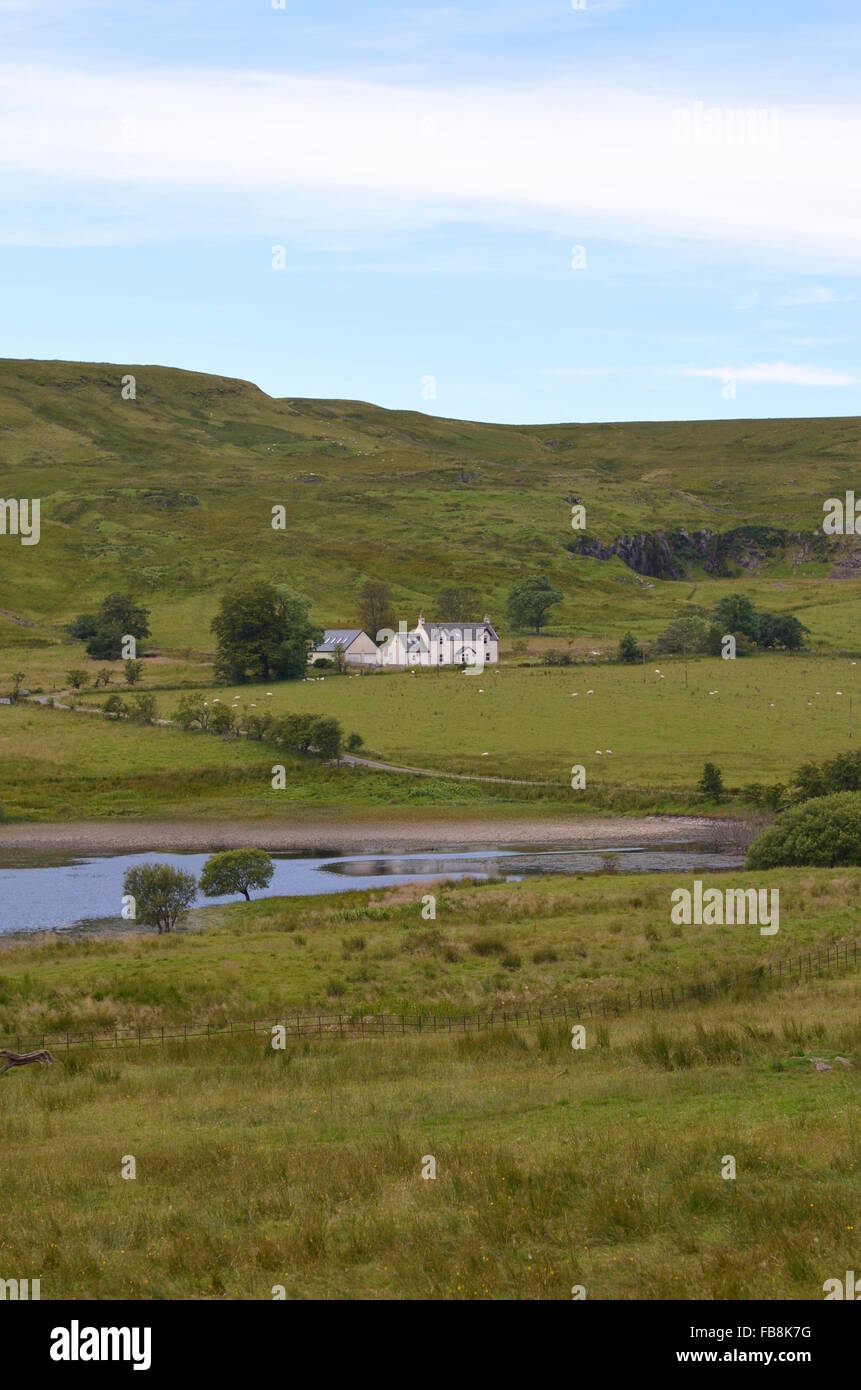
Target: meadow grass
{"x": 550, "y": 941}
{"x": 302, "y": 1168}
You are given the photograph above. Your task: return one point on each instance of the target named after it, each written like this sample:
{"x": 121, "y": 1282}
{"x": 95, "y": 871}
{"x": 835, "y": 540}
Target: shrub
{"x": 143, "y": 709}
{"x": 221, "y": 720}
{"x": 711, "y": 783}
{"x": 826, "y": 831}
{"x": 114, "y": 705}
{"x": 354, "y": 741}
{"x": 193, "y": 712}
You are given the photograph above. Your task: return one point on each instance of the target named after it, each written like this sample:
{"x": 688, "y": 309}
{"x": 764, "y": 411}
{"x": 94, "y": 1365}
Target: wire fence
{"x": 824, "y": 960}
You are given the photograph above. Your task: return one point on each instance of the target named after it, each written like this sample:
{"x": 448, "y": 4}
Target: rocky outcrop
{"x": 674, "y": 554}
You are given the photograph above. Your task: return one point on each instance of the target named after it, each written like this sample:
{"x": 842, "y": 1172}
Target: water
{"x": 39, "y": 892}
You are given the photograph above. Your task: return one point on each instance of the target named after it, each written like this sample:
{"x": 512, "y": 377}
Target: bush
{"x": 711, "y": 783}
{"x": 353, "y": 742}
{"x": 143, "y": 710}
{"x": 629, "y": 652}
{"x": 840, "y": 774}
{"x": 221, "y": 720}
{"x": 825, "y": 831}
{"x": 192, "y": 712}
{"x": 114, "y": 705}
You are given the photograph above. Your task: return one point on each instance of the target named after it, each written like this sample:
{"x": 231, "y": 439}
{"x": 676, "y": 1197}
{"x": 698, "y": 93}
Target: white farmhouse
{"x": 358, "y": 648}
{"x": 442, "y": 644}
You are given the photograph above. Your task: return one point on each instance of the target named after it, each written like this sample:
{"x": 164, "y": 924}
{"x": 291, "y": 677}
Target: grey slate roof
{"x": 470, "y": 632}
{"x": 338, "y": 637}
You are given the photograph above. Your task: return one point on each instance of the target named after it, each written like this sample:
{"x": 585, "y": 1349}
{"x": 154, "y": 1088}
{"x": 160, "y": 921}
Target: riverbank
{"x": 356, "y": 834}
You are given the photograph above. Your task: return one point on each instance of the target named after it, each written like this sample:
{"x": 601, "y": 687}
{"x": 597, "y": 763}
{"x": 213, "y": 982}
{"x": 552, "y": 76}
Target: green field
{"x": 768, "y": 715}
{"x": 302, "y": 1167}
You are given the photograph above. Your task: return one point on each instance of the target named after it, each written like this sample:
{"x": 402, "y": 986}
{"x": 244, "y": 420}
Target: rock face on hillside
{"x": 674, "y": 554}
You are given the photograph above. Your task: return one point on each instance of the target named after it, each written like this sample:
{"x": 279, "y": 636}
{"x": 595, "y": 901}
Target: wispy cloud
{"x": 814, "y": 294}
{"x": 774, "y": 374}
{"x": 590, "y": 159}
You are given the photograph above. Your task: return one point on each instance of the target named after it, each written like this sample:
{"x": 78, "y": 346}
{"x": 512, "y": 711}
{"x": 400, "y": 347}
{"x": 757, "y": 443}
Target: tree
{"x": 629, "y": 652}
{"x": 781, "y": 630}
{"x": 688, "y": 634}
{"x": 529, "y": 601}
{"x": 826, "y": 830}
{"x": 133, "y": 670}
{"x": 711, "y": 783}
{"x": 736, "y": 613}
{"x": 118, "y": 616}
{"x": 18, "y": 681}
{"x": 104, "y": 677}
{"x": 375, "y": 607}
{"x": 162, "y": 894}
{"x": 326, "y": 738}
{"x": 263, "y": 633}
{"x": 235, "y": 871}
{"x": 76, "y": 678}
{"x": 459, "y": 603}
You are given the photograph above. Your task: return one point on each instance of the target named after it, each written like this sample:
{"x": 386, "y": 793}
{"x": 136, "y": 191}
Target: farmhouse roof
{"x": 469, "y": 631}
{"x": 339, "y": 637}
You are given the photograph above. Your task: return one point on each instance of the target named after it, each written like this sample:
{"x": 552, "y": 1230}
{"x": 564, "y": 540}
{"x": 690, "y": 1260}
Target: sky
{"x": 526, "y": 211}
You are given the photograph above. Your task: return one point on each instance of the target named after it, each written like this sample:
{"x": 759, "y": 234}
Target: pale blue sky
{"x": 429, "y": 170}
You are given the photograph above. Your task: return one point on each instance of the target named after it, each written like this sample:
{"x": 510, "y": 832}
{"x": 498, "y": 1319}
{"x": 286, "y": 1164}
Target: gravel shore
{"x": 106, "y": 837}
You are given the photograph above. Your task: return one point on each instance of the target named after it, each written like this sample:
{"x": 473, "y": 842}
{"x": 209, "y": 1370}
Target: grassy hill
{"x": 172, "y": 494}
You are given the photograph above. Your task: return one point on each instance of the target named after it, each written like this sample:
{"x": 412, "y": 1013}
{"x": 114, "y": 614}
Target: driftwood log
{"x": 23, "y": 1059}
